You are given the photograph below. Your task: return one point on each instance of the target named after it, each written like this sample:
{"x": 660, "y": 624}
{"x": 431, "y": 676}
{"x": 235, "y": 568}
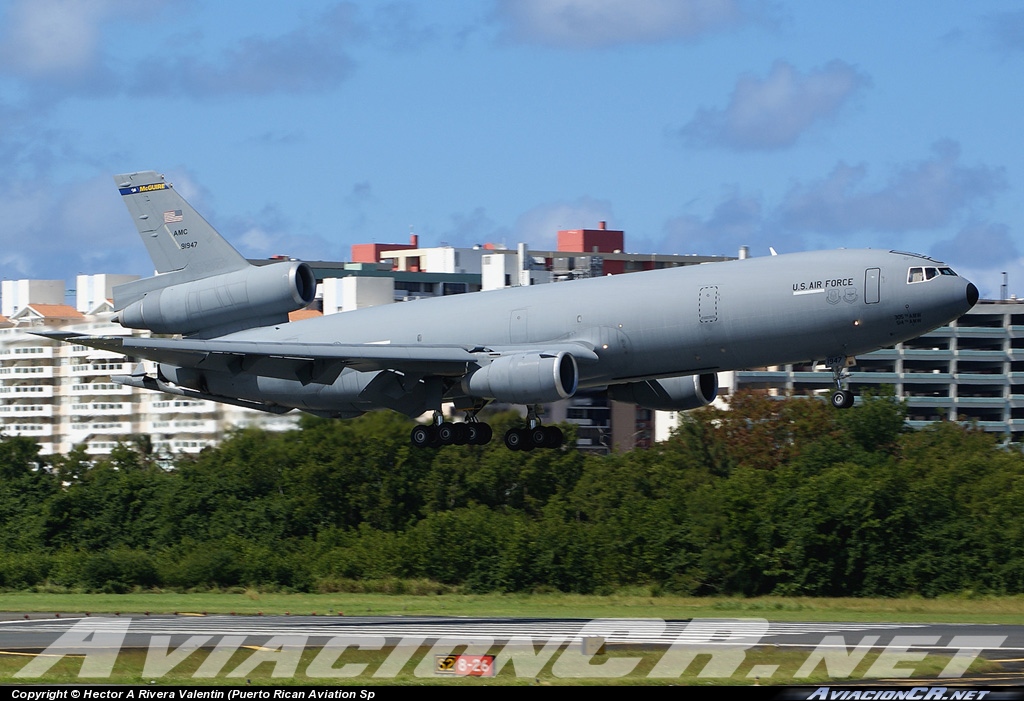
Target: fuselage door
{"x": 871, "y": 280}
{"x": 517, "y": 330}
{"x": 708, "y": 304}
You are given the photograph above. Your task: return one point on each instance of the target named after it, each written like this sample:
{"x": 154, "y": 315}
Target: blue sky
{"x": 301, "y": 128}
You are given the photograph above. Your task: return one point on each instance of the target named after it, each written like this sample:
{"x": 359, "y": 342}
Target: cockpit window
{"x": 925, "y": 273}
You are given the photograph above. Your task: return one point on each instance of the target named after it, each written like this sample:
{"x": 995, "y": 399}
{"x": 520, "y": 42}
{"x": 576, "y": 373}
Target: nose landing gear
{"x": 842, "y": 398}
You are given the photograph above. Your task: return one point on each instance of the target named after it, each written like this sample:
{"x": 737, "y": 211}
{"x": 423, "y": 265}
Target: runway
{"x": 37, "y": 633}
{"x": 999, "y": 642}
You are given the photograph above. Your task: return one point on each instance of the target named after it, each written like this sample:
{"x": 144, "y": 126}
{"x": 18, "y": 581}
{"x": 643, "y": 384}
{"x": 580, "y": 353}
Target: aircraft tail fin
{"x": 178, "y": 239}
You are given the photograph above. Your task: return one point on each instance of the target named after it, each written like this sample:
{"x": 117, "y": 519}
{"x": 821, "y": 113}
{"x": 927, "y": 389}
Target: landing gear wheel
{"x": 479, "y": 433}
{"x": 423, "y": 436}
{"x": 555, "y": 438}
{"x": 842, "y": 399}
{"x": 446, "y": 433}
{"x": 517, "y": 439}
{"x": 539, "y": 437}
{"x": 461, "y": 434}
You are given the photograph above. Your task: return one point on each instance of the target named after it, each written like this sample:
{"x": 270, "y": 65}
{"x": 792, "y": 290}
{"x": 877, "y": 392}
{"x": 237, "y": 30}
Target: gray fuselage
{"x": 663, "y": 323}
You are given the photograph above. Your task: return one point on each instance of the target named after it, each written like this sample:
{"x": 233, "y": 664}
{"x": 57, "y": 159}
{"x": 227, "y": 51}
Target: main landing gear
{"x": 534, "y": 435}
{"x": 537, "y": 437}
{"x": 473, "y": 432}
{"x": 842, "y": 398}
{"x": 441, "y": 432}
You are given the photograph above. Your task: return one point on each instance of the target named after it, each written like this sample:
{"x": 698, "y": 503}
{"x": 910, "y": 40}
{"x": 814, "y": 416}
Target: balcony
{"x": 177, "y": 428}
{"x": 927, "y": 354}
{"x": 980, "y": 332}
{"x": 17, "y": 372}
{"x": 9, "y": 391}
{"x": 103, "y": 426}
{"x": 981, "y": 378}
{"x": 23, "y": 429}
{"x": 942, "y": 402}
{"x": 101, "y": 409}
{"x": 981, "y": 402}
{"x": 89, "y": 369}
{"x": 874, "y": 378}
{"x": 995, "y": 356}
{"x": 26, "y": 353}
{"x": 100, "y": 389}
{"x": 927, "y": 377}
{"x": 185, "y": 446}
{"x": 761, "y": 375}
{"x": 181, "y": 406}
{"x": 12, "y": 411}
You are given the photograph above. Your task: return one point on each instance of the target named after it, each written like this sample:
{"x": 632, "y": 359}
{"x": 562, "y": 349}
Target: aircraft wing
{"x": 314, "y": 362}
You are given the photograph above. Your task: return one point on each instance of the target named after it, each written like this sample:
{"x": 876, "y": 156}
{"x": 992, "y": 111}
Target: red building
{"x": 373, "y": 252}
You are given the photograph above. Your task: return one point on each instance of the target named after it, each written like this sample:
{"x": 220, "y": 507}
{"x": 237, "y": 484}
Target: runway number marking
{"x": 465, "y": 665}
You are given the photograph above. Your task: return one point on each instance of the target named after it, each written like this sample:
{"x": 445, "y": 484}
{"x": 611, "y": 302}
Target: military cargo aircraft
{"x": 655, "y": 338}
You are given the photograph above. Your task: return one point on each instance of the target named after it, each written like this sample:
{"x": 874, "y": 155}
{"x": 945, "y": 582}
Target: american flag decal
{"x": 173, "y": 217}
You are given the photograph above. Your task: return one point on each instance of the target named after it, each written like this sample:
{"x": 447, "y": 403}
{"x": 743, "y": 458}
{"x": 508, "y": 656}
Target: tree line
{"x": 772, "y": 497}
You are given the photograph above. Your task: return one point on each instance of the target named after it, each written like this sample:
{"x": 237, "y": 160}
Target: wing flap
{"x": 314, "y": 362}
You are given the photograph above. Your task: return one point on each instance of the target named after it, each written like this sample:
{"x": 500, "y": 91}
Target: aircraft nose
{"x": 972, "y": 295}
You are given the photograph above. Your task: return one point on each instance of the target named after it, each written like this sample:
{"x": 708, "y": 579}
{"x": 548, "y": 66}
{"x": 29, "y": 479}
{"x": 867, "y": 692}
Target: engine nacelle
{"x": 525, "y": 378}
{"x": 257, "y": 295}
{"x": 670, "y": 393}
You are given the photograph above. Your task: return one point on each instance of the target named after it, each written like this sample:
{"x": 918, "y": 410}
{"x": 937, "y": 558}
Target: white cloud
{"x": 60, "y": 231}
{"x": 271, "y": 233}
{"x": 473, "y": 228}
{"x": 738, "y": 220}
{"x": 307, "y": 59}
{"x": 59, "y": 44}
{"x": 53, "y": 37}
{"x": 979, "y": 245}
{"x": 923, "y": 195}
{"x": 586, "y": 24}
{"x": 539, "y": 226}
{"x": 773, "y": 112}
{"x": 989, "y": 278}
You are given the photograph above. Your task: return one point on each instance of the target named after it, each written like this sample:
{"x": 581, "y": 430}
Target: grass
{"x": 1007, "y": 610}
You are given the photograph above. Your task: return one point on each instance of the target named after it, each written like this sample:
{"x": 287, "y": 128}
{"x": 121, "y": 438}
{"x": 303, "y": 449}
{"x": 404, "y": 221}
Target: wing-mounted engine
{"x": 670, "y": 393}
{"x": 253, "y": 296}
{"x": 525, "y": 378}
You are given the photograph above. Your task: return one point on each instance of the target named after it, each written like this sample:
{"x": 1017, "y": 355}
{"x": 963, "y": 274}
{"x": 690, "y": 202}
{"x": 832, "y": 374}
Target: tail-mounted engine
{"x": 254, "y": 296}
